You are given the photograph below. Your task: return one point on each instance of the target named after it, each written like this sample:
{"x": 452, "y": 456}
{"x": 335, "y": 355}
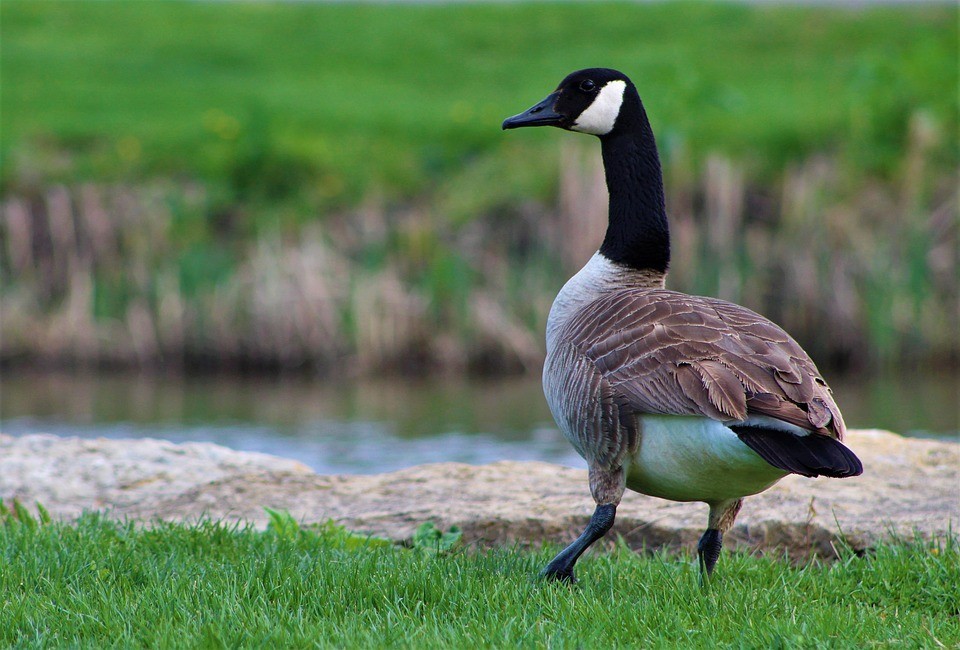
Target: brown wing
{"x": 671, "y": 353}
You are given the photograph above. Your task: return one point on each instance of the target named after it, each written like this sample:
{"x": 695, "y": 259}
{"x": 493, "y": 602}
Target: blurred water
{"x": 368, "y": 427}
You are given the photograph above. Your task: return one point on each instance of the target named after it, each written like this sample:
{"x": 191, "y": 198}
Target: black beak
{"x": 540, "y": 115}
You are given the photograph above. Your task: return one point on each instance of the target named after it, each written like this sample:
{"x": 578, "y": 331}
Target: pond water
{"x": 367, "y": 427}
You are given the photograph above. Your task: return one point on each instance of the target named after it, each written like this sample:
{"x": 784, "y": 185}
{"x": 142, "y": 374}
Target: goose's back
{"x": 634, "y": 352}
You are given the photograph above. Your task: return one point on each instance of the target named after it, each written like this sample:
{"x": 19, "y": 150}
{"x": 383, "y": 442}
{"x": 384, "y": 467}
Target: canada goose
{"x": 676, "y": 396}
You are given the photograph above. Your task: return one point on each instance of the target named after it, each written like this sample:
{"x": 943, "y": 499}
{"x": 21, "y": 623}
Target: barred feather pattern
{"x": 600, "y": 423}
{"x": 643, "y": 351}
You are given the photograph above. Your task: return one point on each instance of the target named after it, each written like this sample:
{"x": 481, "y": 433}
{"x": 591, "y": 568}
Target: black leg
{"x": 561, "y": 567}
{"x": 708, "y": 551}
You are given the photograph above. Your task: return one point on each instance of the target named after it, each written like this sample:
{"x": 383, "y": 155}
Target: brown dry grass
{"x": 860, "y": 271}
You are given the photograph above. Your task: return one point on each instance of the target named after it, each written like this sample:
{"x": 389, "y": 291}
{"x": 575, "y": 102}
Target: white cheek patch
{"x": 600, "y": 116}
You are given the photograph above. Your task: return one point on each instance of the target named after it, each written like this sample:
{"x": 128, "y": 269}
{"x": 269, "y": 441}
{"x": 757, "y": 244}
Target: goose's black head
{"x": 598, "y": 101}
{"x": 605, "y": 103}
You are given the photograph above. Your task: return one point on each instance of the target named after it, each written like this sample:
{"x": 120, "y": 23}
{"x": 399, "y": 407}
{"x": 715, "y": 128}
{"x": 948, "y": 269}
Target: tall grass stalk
{"x": 860, "y": 272}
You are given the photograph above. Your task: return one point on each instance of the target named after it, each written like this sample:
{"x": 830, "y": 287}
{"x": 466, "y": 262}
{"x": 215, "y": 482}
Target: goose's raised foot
{"x": 561, "y": 567}
{"x": 558, "y": 574}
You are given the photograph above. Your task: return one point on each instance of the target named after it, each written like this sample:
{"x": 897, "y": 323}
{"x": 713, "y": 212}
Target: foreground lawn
{"x": 98, "y": 583}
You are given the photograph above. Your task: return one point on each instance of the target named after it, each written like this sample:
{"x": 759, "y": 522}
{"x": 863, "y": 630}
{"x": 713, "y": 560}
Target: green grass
{"x": 154, "y": 154}
{"x": 334, "y": 100}
{"x": 98, "y": 583}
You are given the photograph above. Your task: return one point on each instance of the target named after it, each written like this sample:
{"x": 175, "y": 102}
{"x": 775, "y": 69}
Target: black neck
{"x": 637, "y": 233}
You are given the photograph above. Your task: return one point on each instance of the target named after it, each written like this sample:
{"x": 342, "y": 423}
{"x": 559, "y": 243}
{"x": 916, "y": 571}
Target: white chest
{"x": 597, "y": 277}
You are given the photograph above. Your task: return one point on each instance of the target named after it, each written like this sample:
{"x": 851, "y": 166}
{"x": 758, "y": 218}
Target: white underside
{"x": 687, "y": 458}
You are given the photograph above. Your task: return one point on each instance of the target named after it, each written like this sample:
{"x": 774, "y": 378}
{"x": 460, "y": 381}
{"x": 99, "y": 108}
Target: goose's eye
{"x": 587, "y": 85}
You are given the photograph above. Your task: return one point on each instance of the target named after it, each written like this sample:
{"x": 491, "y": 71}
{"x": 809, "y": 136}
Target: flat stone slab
{"x": 909, "y": 487}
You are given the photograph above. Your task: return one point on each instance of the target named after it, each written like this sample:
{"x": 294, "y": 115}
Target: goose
{"x": 671, "y": 395}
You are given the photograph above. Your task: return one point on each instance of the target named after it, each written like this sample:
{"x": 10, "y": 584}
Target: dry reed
{"x": 860, "y": 271}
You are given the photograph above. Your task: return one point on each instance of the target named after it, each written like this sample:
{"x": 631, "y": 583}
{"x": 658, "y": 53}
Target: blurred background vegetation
{"x": 325, "y": 187}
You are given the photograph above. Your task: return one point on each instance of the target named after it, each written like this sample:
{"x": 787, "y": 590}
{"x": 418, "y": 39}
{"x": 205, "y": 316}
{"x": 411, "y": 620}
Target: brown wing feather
{"x": 725, "y": 391}
{"x": 671, "y": 353}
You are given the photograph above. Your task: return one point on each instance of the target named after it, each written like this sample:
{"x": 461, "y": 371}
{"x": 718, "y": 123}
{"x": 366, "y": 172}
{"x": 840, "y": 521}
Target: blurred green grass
{"x": 287, "y": 185}
{"x": 336, "y": 100}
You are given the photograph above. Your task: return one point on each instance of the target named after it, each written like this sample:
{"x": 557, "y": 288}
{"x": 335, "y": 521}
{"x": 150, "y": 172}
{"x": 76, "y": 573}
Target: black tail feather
{"x": 810, "y": 455}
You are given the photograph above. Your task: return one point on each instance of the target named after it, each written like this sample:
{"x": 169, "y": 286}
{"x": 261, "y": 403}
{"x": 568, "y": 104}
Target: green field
{"x": 256, "y": 185}
{"x": 97, "y": 583}
{"x": 397, "y": 97}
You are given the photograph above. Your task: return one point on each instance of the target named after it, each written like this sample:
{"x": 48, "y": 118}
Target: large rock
{"x": 910, "y": 486}
{"x": 70, "y": 475}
